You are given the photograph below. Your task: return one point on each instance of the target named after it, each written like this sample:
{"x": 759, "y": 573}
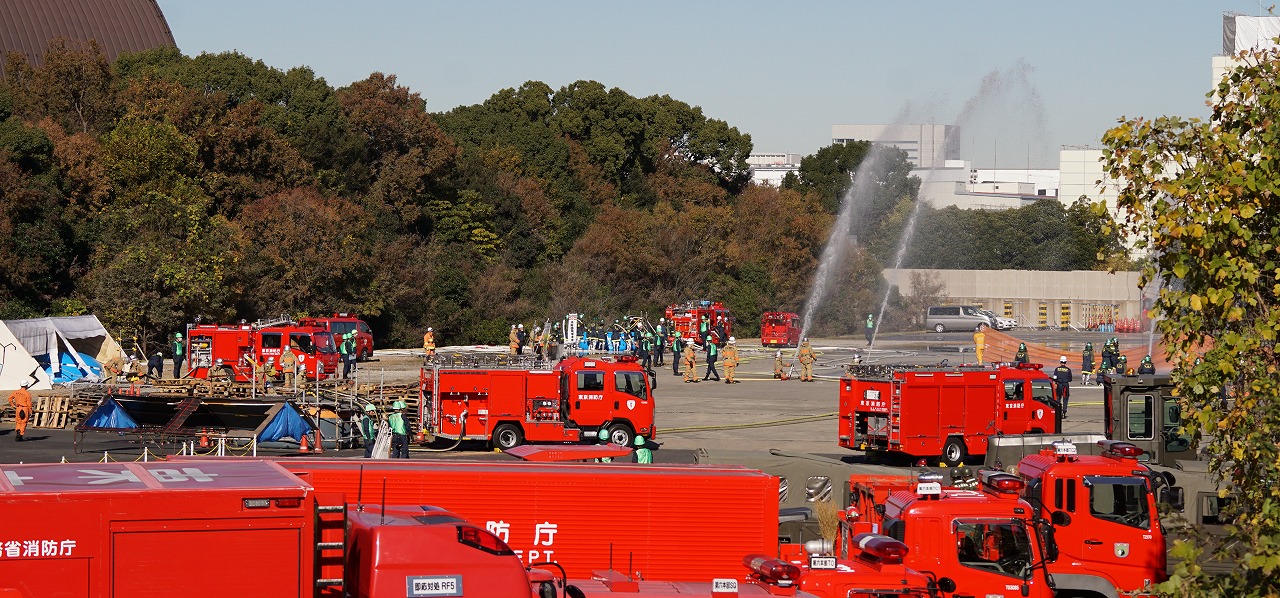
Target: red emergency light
{"x": 1116, "y": 448}
{"x": 772, "y": 570}
{"x": 483, "y": 540}
{"x": 886, "y": 549}
{"x": 628, "y": 359}
{"x": 1030, "y": 366}
{"x": 1004, "y": 483}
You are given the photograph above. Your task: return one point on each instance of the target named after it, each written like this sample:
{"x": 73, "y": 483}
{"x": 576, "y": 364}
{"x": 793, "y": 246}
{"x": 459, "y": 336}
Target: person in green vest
{"x": 179, "y": 354}
{"x": 677, "y": 349}
{"x": 713, "y": 353}
{"x": 342, "y": 353}
{"x": 399, "y": 431}
{"x": 644, "y": 454}
{"x": 369, "y": 429}
{"x": 871, "y": 328}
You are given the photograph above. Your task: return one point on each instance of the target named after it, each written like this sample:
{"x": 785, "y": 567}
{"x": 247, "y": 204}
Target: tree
{"x": 1201, "y": 198}
{"x": 74, "y": 86}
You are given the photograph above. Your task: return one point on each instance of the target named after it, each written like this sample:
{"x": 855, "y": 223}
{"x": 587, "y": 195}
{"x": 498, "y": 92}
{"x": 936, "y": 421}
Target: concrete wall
{"x": 1088, "y": 297}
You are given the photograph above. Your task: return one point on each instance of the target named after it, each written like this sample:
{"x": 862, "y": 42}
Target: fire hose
{"x": 462, "y": 433}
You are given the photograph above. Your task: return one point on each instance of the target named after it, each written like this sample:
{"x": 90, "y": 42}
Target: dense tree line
{"x": 163, "y": 187}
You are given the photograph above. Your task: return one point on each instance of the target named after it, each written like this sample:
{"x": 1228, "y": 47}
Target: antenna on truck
{"x": 360, "y": 490}
{"x": 384, "y": 502}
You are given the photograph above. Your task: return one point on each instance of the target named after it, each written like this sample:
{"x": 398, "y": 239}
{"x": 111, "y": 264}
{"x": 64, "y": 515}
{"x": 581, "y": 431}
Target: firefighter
{"x": 288, "y": 368}
{"x": 1086, "y": 363}
{"x": 513, "y": 340}
{"x": 178, "y": 354}
{"x": 429, "y": 346}
{"x": 645, "y": 350}
{"x": 806, "y": 358}
{"x": 778, "y": 364}
{"x": 369, "y": 429}
{"x": 399, "y": 431}
{"x": 871, "y": 330}
{"x": 1111, "y": 355}
{"x": 350, "y": 364}
{"x": 522, "y": 339}
{"x": 1122, "y": 365}
{"x": 730, "y": 361}
{"x": 155, "y": 366}
{"x": 713, "y": 353}
{"x": 20, "y": 399}
{"x": 690, "y": 364}
{"x": 1062, "y": 384}
{"x": 660, "y": 342}
{"x": 979, "y": 343}
{"x": 539, "y": 342}
{"x": 643, "y": 453}
{"x": 720, "y": 334}
{"x": 677, "y": 350}
{"x": 1146, "y": 367}
{"x": 1021, "y": 355}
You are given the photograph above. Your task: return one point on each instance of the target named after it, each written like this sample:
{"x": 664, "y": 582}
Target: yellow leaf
{"x": 1195, "y": 302}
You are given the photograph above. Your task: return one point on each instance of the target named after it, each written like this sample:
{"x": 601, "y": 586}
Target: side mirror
{"x": 1026, "y": 589}
{"x": 1174, "y": 496}
{"x": 1060, "y": 518}
{"x": 947, "y": 585}
{"x": 879, "y": 509}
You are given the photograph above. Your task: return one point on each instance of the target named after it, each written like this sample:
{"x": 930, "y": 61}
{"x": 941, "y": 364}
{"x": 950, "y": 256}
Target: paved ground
{"x": 760, "y": 413}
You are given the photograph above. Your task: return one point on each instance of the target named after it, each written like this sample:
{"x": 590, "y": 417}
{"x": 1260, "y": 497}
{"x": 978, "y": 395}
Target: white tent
{"x": 52, "y": 337}
{"x": 17, "y": 365}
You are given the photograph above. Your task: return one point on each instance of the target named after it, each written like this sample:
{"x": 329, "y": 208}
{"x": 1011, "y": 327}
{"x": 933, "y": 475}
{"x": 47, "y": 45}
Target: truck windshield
{"x": 996, "y": 546}
{"x": 631, "y": 383}
{"x": 1121, "y": 500}
{"x": 1042, "y": 391}
{"x": 323, "y": 342}
{"x": 302, "y": 342}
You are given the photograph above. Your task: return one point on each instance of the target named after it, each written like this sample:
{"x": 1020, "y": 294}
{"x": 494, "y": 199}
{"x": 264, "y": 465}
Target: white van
{"x": 941, "y": 318}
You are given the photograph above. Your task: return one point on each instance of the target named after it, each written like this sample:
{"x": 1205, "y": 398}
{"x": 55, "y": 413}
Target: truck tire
{"x": 621, "y": 434}
{"x": 507, "y": 436}
{"x": 939, "y": 328}
{"x": 364, "y": 355}
{"x": 953, "y": 452}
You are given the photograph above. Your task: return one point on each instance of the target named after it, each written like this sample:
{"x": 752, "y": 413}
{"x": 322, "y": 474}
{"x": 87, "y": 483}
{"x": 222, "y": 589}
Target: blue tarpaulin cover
{"x": 69, "y": 370}
{"x": 287, "y": 422}
{"x": 111, "y": 416}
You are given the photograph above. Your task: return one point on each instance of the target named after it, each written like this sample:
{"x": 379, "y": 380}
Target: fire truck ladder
{"x": 184, "y": 410}
{"x": 269, "y": 322}
{"x": 331, "y": 542}
{"x": 895, "y": 415}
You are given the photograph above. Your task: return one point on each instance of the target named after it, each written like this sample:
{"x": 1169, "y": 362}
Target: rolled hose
{"x": 462, "y": 433}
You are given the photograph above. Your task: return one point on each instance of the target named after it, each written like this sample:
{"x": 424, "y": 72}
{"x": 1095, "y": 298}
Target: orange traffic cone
{"x": 304, "y": 445}
{"x": 319, "y": 442}
{"x": 420, "y": 437}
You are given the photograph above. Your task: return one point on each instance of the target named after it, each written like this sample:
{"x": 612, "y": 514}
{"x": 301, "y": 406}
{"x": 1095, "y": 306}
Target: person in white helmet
{"x": 660, "y": 342}
{"x": 429, "y": 345}
{"x": 730, "y": 360}
{"x": 1062, "y": 384}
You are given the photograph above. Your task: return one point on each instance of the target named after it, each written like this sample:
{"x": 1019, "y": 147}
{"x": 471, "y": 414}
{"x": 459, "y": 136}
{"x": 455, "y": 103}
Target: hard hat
{"x": 428, "y": 329}
{"x": 1063, "y": 359}
{"x": 370, "y": 408}
{"x": 398, "y": 405}
{"x": 26, "y": 383}
{"x": 1088, "y": 345}
{"x": 639, "y": 441}
{"x": 778, "y": 354}
{"x": 662, "y": 319}
{"x": 1022, "y": 346}
{"x": 521, "y": 326}
{"x": 1147, "y": 358}
{"x": 733, "y": 341}
{"x": 603, "y": 434}
{"x": 177, "y": 335}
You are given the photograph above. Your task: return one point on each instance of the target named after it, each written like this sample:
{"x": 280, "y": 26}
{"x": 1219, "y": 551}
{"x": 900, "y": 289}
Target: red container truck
{"x": 780, "y": 329}
{"x": 224, "y": 351}
{"x": 570, "y": 403}
{"x": 946, "y": 412}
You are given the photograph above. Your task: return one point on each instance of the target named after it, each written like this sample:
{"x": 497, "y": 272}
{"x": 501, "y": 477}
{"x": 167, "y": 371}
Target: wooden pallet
{"x": 51, "y": 412}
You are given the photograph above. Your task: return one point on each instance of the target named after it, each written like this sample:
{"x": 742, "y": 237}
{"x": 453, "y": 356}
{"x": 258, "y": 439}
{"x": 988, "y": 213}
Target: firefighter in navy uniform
{"x": 1146, "y": 367}
{"x": 1087, "y": 363}
{"x": 1021, "y": 356}
{"x": 1062, "y": 384}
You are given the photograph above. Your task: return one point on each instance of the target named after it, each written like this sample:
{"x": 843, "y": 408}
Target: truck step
{"x": 331, "y": 508}
{"x": 328, "y": 583}
{"x": 330, "y": 545}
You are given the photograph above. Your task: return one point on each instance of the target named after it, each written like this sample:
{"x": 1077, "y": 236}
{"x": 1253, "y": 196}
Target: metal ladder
{"x": 895, "y": 414}
{"x": 328, "y": 526}
{"x": 269, "y": 322}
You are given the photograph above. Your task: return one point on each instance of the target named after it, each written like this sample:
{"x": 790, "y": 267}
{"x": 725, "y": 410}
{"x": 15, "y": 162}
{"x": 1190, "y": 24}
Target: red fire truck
{"x": 342, "y": 323}
{"x": 570, "y": 403}
{"x": 114, "y": 529}
{"x": 780, "y": 329}
{"x": 1103, "y": 509}
{"x": 976, "y": 542}
{"x": 224, "y": 350}
{"x": 689, "y": 316}
{"x": 947, "y": 412}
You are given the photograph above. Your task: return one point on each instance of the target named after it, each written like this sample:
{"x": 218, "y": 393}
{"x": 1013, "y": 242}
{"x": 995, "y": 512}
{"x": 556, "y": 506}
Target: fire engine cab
{"x": 1103, "y": 509}
{"x": 947, "y": 412}
{"x": 780, "y": 329}
{"x": 688, "y": 318}
{"x": 342, "y": 323}
{"x": 570, "y": 403}
{"x": 224, "y": 350}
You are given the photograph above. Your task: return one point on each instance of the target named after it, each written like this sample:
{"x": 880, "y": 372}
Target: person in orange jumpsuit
{"x": 21, "y": 401}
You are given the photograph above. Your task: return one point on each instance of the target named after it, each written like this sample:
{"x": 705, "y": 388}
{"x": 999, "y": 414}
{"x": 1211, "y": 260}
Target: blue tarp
{"x": 69, "y": 370}
{"x": 287, "y": 422}
{"x": 110, "y": 416}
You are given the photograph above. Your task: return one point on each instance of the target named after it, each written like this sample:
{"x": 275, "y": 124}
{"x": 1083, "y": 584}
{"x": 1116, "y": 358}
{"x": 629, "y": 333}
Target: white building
{"x": 958, "y": 184}
{"x": 926, "y": 145}
{"x": 1239, "y": 33}
{"x": 770, "y": 169}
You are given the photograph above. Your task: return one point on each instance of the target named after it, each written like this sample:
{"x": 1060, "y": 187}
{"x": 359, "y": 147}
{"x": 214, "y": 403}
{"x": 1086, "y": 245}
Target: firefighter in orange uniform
{"x": 429, "y": 345}
{"x": 806, "y": 358}
{"x": 730, "y": 360}
{"x": 288, "y": 367}
{"x": 690, "y": 360}
{"x": 21, "y": 401}
{"x": 513, "y": 340}
{"x": 979, "y": 343}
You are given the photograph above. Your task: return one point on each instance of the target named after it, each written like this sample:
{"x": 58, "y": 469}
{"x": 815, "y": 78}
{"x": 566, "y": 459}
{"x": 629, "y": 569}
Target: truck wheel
{"x": 364, "y": 355}
{"x": 939, "y": 328}
{"x": 507, "y": 436}
{"x": 621, "y": 434}
{"x": 953, "y": 452}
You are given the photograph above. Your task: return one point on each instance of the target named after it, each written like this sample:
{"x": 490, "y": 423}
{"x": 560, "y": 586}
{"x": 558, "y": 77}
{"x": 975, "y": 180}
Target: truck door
{"x": 991, "y": 554}
{"x": 1118, "y": 537}
{"x": 269, "y": 346}
{"x": 630, "y": 397}
{"x": 586, "y": 398}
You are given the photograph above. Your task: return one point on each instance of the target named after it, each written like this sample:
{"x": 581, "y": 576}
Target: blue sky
{"x": 1056, "y": 73}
